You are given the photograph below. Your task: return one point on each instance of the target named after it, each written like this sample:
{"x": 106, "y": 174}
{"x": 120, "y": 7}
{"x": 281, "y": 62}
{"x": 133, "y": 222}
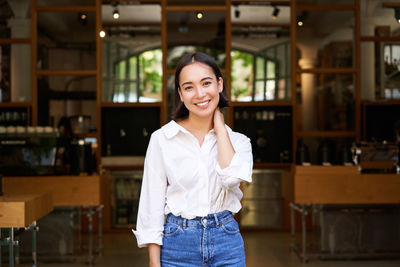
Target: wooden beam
{"x": 130, "y": 105}
{"x": 15, "y": 104}
{"x": 48, "y": 72}
{"x": 34, "y": 89}
{"x": 284, "y": 103}
{"x": 390, "y": 4}
{"x": 327, "y": 134}
{"x": 129, "y": 2}
{"x": 164, "y": 47}
{"x": 357, "y": 62}
{"x": 272, "y": 165}
{"x": 9, "y": 41}
{"x": 260, "y": 2}
{"x": 324, "y": 7}
{"x": 328, "y": 70}
{"x": 248, "y": 24}
{"x": 130, "y": 23}
{"x": 293, "y": 74}
{"x": 388, "y": 102}
{"x": 380, "y": 38}
{"x": 99, "y": 87}
{"x": 227, "y": 74}
{"x": 195, "y": 8}
{"x": 66, "y": 9}
{"x": 172, "y": 71}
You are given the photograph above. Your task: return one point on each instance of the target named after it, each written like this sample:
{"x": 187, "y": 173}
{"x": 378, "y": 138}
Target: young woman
{"x": 192, "y": 172}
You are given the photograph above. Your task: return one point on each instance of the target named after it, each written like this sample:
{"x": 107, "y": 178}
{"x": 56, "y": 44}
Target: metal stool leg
{"x": 11, "y": 248}
{"x": 79, "y": 230}
{"x": 304, "y": 234}
{"x": 34, "y": 243}
{"x": 100, "y": 230}
{"x": 292, "y": 228}
{"x": 1, "y": 260}
{"x": 16, "y": 249}
{"x": 90, "y": 226}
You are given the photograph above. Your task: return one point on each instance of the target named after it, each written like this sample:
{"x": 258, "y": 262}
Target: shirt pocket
{"x": 172, "y": 229}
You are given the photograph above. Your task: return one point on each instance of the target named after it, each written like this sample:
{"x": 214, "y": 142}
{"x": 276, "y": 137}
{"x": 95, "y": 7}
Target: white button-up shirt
{"x": 185, "y": 179}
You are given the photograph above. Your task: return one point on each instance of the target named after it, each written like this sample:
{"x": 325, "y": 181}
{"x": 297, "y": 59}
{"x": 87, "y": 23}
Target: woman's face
{"x": 199, "y": 89}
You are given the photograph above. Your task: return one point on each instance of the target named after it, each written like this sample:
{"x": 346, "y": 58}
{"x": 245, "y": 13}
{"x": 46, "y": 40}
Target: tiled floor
{"x": 266, "y": 249}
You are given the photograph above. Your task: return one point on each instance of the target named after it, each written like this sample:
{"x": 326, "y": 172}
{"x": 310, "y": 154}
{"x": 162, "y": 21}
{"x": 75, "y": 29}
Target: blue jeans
{"x": 208, "y": 241}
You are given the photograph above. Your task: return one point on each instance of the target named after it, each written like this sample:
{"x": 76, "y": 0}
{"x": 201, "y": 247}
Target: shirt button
{"x": 203, "y": 186}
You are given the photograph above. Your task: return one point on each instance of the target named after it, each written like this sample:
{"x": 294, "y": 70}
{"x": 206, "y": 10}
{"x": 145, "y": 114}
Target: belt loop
{"x": 216, "y": 220}
{"x": 184, "y": 223}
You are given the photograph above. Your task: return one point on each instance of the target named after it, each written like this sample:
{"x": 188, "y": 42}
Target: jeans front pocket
{"x": 171, "y": 229}
{"x": 231, "y": 227}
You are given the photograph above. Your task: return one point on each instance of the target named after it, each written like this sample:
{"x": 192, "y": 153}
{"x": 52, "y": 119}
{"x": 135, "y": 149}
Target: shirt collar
{"x": 172, "y": 128}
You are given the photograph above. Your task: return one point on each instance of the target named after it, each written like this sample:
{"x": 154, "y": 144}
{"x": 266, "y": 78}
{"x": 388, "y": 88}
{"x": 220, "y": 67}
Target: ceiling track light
{"x": 115, "y": 14}
{"x": 82, "y": 16}
{"x": 237, "y": 11}
{"x": 275, "y": 13}
{"x": 300, "y": 19}
{"x": 397, "y": 14}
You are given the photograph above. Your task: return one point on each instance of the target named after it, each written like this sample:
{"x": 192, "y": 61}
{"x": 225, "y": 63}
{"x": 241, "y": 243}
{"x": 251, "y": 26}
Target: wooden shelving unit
{"x": 165, "y": 9}
{"x": 356, "y": 133}
{"x": 29, "y": 106}
{"x": 364, "y": 104}
{"x": 37, "y": 9}
{"x": 323, "y": 70}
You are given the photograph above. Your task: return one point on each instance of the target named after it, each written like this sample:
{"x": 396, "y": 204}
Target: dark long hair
{"x": 181, "y": 111}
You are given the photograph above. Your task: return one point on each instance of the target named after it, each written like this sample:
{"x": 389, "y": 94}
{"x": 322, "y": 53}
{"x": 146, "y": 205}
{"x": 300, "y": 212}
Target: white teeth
{"x": 202, "y": 104}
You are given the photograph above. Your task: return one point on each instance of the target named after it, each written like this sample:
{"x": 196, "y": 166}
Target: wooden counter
{"x": 66, "y": 190}
{"x": 344, "y": 185}
{"x": 21, "y": 209}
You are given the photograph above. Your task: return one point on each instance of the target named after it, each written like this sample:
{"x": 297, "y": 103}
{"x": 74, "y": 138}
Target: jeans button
{"x": 204, "y": 220}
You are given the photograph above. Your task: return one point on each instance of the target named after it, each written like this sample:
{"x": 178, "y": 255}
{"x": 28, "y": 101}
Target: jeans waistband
{"x": 211, "y": 220}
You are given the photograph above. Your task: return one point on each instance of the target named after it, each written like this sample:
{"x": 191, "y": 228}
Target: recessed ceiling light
{"x": 199, "y": 15}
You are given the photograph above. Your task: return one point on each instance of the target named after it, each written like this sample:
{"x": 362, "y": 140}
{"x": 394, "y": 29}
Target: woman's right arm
{"x": 150, "y": 220}
{"x": 154, "y": 255}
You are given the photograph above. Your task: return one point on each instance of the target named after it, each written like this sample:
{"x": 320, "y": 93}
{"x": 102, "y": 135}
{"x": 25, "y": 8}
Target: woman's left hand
{"x": 225, "y": 148}
{"x": 219, "y": 121}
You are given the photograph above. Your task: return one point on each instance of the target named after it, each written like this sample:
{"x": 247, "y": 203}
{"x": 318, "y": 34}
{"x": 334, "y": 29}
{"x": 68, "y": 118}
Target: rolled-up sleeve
{"x": 241, "y": 165}
{"x": 150, "y": 219}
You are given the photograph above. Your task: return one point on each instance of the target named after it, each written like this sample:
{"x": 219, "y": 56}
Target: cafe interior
{"x": 315, "y": 85}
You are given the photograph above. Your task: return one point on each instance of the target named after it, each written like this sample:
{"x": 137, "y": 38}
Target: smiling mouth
{"x": 202, "y": 104}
